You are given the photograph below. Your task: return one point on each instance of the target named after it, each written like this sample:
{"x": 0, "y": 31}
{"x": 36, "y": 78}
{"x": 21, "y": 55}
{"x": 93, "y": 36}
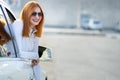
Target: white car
{"x": 94, "y": 24}
{"x": 89, "y": 23}
{"x": 117, "y": 27}
{"x": 16, "y": 68}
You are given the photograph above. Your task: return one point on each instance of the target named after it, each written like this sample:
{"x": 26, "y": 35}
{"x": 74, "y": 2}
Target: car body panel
{"x": 15, "y": 68}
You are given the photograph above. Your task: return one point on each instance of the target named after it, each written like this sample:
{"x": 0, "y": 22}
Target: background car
{"x": 89, "y": 23}
{"x": 94, "y": 24}
{"x": 16, "y": 68}
{"x": 117, "y": 27}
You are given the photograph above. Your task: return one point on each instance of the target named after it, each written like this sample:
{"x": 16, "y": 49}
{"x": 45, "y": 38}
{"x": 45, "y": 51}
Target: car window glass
{"x": 11, "y": 17}
{"x": 5, "y": 49}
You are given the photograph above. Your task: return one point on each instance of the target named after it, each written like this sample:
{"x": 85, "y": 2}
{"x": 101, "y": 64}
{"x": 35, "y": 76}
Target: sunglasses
{"x": 37, "y": 13}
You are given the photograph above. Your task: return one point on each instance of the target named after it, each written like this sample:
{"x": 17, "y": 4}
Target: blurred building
{"x": 67, "y": 13}
{"x": 107, "y": 11}
{"x": 58, "y": 13}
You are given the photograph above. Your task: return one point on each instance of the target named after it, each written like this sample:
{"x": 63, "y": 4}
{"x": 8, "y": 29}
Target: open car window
{"x": 7, "y": 17}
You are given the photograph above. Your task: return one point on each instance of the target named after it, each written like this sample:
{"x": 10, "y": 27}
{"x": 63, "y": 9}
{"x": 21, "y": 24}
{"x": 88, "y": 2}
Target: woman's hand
{"x": 35, "y": 62}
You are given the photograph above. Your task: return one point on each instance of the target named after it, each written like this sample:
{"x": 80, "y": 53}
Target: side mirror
{"x": 44, "y": 53}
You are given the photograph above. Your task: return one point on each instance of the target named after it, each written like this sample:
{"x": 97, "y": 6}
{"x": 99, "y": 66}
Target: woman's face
{"x": 35, "y": 17}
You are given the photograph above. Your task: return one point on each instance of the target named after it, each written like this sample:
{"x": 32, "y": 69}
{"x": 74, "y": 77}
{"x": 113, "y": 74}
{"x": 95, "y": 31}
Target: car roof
{"x": 3, "y": 3}
{"x": 7, "y": 7}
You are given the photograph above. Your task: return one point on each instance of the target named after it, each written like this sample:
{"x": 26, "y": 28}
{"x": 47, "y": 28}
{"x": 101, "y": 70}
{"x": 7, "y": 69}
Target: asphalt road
{"x": 82, "y": 57}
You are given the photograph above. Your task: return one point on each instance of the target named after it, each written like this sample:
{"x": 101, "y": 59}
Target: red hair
{"x": 25, "y": 16}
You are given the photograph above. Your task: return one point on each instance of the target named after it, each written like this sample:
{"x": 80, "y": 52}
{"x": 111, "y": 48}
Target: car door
{"x": 7, "y": 16}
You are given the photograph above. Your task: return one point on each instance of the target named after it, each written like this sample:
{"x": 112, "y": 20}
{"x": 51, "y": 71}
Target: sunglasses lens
{"x": 35, "y": 13}
{"x": 40, "y": 14}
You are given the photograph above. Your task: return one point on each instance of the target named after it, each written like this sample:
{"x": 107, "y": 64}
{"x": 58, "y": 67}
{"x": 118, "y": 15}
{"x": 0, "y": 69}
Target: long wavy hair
{"x": 25, "y": 17}
{"x": 4, "y": 36}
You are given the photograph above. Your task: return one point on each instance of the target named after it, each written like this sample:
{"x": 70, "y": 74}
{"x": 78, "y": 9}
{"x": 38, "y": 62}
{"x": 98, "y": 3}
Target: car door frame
{"x": 6, "y": 11}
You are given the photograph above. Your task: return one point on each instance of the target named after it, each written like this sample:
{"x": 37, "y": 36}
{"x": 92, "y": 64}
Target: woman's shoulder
{"x": 17, "y": 25}
{"x": 18, "y": 22}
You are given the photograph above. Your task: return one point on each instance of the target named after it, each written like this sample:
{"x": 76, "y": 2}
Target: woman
{"x": 28, "y": 31}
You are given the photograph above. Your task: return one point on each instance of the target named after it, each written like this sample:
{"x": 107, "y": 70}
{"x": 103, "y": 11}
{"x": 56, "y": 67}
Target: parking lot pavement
{"x": 81, "y": 57}
{"x": 72, "y": 31}
{"x": 110, "y": 34}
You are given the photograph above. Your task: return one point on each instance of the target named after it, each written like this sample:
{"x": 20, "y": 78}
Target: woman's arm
{"x": 17, "y": 29}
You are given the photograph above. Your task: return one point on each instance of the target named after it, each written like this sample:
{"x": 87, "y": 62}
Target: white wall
{"x": 66, "y": 13}
{"x": 62, "y": 12}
